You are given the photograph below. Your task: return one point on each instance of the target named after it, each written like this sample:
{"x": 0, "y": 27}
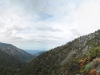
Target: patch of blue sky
{"x": 44, "y": 17}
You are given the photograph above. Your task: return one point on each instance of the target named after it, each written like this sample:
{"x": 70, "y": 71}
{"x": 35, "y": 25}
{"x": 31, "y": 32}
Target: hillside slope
{"x": 16, "y": 52}
{"x": 64, "y": 60}
{"x": 8, "y": 64}
{"x": 6, "y": 60}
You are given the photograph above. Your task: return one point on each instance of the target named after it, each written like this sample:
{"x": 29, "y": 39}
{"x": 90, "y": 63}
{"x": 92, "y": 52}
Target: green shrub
{"x": 95, "y": 52}
{"x": 87, "y": 67}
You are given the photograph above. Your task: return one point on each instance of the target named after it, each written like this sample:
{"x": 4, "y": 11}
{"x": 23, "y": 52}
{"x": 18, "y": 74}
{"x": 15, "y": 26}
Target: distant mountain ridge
{"x": 35, "y": 52}
{"x": 16, "y": 52}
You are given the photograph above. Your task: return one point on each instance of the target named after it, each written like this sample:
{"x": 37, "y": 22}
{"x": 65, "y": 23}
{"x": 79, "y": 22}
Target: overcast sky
{"x": 45, "y": 24}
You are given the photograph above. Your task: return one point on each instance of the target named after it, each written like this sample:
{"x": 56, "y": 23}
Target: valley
{"x": 73, "y": 58}
{"x": 35, "y": 52}
{"x": 79, "y": 56}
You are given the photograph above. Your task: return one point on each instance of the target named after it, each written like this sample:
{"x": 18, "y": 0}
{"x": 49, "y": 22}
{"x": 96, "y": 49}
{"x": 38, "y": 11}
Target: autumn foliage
{"x": 92, "y": 72}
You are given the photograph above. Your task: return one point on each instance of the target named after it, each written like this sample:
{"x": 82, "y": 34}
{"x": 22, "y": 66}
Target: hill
{"x": 16, "y": 52}
{"x": 8, "y": 64}
{"x": 74, "y": 58}
{"x": 12, "y": 59}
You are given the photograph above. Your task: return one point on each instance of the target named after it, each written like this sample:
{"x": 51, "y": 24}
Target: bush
{"x": 87, "y": 67}
{"x": 95, "y": 52}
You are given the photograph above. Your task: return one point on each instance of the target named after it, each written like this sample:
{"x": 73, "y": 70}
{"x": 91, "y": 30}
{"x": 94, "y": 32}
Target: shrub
{"x": 95, "y": 52}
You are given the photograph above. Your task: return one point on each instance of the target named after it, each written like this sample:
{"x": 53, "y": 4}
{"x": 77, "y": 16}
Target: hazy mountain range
{"x": 35, "y": 52}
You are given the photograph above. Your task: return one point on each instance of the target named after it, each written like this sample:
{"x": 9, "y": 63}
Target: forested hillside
{"x": 75, "y": 57}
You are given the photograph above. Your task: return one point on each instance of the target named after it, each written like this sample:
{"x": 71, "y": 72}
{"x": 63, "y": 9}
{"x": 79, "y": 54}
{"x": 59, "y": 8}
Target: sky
{"x": 46, "y": 24}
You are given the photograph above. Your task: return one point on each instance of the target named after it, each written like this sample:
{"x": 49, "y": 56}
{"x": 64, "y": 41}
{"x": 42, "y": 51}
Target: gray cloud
{"x": 75, "y": 32}
{"x": 44, "y": 36}
{"x": 45, "y": 21}
{"x": 13, "y": 31}
{"x": 17, "y": 15}
{"x": 47, "y": 28}
{"x": 16, "y": 37}
{"x": 44, "y": 41}
{"x": 45, "y": 8}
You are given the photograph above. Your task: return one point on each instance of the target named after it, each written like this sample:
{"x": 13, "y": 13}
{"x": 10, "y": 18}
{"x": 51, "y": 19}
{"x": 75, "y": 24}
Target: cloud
{"x": 48, "y": 28}
{"x": 87, "y": 17}
{"x": 47, "y": 23}
{"x": 75, "y": 32}
{"x": 45, "y": 16}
